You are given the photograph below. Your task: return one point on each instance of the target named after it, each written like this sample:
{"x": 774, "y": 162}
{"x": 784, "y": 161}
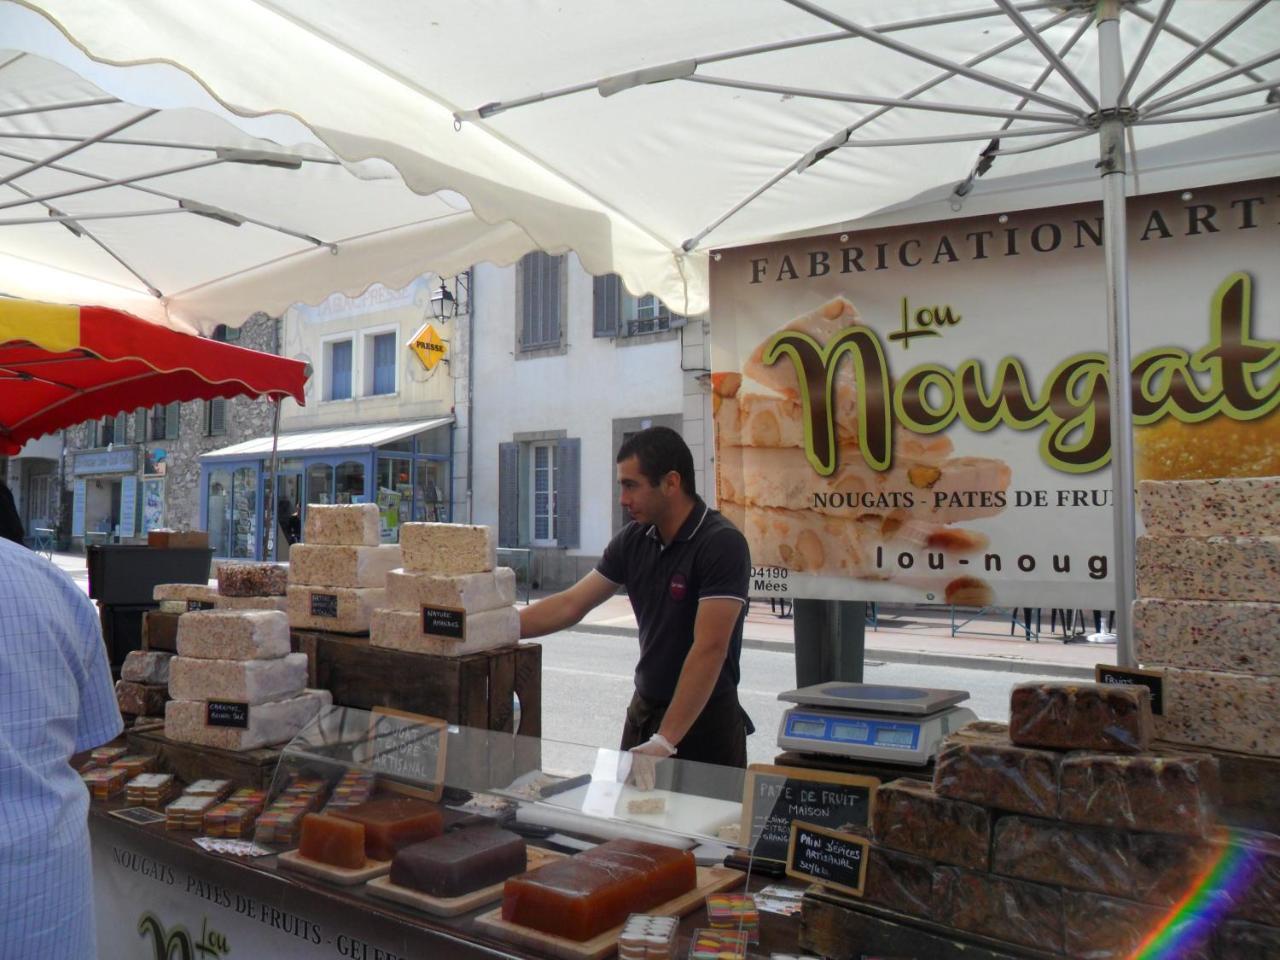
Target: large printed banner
{"x": 920, "y": 413}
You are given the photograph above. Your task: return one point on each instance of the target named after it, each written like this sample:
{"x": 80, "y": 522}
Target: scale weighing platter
{"x": 874, "y": 697}
{"x": 871, "y": 722}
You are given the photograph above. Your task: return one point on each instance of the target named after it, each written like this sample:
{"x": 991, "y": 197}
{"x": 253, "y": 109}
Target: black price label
{"x": 445, "y": 622}
{"x": 199, "y": 605}
{"x": 828, "y": 857}
{"x": 324, "y": 605}
{"x": 226, "y": 713}
{"x": 1153, "y": 680}
{"x": 777, "y": 797}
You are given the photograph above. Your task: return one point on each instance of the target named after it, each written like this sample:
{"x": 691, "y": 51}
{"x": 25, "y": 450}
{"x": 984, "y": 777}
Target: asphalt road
{"x": 586, "y": 684}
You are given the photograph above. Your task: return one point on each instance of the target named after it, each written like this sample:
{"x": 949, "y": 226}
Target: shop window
{"x": 540, "y": 280}
{"x": 348, "y": 480}
{"x": 337, "y": 360}
{"x": 380, "y": 373}
{"x": 215, "y": 417}
{"x": 320, "y": 483}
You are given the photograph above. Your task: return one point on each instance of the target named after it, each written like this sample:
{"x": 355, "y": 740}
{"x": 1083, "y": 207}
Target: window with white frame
{"x": 338, "y": 358}
{"x": 380, "y": 362}
{"x": 616, "y": 313}
{"x": 542, "y": 490}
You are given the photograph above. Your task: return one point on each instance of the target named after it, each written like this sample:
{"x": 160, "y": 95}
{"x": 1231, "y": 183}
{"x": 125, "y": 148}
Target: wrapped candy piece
{"x": 911, "y": 818}
{"x": 105, "y": 782}
{"x": 734, "y": 911}
{"x": 980, "y": 764}
{"x": 646, "y": 937}
{"x": 900, "y": 882}
{"x": 708, "y": 944}
{"x": 1105, "y": 928}
{"x": 1081, "y": 716}
{"x": 1148, "y": 792}
{"x": 187, "y": 812}
{"x": 1011, "y": 910}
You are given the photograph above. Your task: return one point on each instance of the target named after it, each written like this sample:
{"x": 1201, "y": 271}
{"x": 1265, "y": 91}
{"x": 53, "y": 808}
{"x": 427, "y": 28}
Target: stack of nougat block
{"x": 337, "y": 578}
{"x": 1063, "y": 831}
{"x": 143, "y": 687}
{"x": 241, "y": 585}
{"x": 840, "y": 525}
{"x": 241, "y": 657}
{"x": 450, "y": 598}
{"x": 1209, "y": 609}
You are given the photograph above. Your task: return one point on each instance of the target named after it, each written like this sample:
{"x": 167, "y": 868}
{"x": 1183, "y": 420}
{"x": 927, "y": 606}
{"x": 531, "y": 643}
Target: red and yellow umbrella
{"x": 61, "y": 365}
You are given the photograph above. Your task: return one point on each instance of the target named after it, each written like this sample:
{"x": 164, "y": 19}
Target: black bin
{"x": 121, "y": 573}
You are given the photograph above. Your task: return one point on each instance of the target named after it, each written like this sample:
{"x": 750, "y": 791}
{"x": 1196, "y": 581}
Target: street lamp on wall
{"x": 452, "y": 297}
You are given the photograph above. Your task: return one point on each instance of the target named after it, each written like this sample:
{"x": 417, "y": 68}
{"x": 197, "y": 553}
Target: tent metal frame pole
{"x": 1043, "y": 131}
{"x": 80, "y": 144}
{"x": 1056, "y": 63}
{"x": 271, "y": 540}
{"x": 1115, "y": 246}
{"x": 843, "y": 136}
{"x": 1148, "y": 44}
{"x": 1188, "y": 38}
{"x": 1218, "y": 115}
{"x": 51, "y": 107}
{"x": 1180, "y": 105}
{"x": 120, "y": 182}
{"x": 1217, "y": 78}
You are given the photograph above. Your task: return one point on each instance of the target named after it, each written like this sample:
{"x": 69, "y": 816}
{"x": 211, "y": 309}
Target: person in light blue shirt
{"x": 56, "y": 700}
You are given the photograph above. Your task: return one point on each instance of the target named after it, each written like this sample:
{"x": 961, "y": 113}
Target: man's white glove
{"x": 645, "y": 760}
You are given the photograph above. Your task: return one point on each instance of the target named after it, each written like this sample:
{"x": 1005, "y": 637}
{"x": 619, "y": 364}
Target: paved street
{"x": 586, "y": 683}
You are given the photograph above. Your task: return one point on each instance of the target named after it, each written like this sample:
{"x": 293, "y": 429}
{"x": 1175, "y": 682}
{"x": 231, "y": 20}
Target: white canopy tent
{"x": 644, "y": 135}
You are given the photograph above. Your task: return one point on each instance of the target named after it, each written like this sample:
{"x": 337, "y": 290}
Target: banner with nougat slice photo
{"x": 919, "y": 413}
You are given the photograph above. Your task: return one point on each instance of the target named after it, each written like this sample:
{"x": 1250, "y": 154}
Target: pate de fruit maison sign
{"x": 920, "y": 413}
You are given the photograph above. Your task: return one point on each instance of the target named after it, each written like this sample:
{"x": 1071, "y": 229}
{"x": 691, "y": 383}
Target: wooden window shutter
{"x": 217, "y": 416}
{"x": 569, "y": 492}
{"x": 606, "y": 305}
{"x": 172, "y": 420}
{"x": 508, "y": 494}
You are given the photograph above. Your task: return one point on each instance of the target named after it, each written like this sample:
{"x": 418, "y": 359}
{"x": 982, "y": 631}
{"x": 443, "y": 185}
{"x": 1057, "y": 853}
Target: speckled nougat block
{"x": 337, "y": 565}
{"x": 277, "y": 721}
{"x": 252, "y": 579}
{"x": 233, "y": 634}
{"x": 1232, "y": 636}
{"x": 334, "y": 609}
{"x": 1209, "y": 568}
{"x": 472, "y": 592}
{"x": 403, "y": 630}
{"x": 1232, "y": 711}
{"x": 186, "y": 592}
{"x": 448, "y": 549}
{"x": 248, "y": 681}
{"x": 355, "y": 524}
{"x": 1226, "y": 507}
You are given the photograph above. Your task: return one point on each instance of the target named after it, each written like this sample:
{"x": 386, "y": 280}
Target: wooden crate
{"x": 473, "y": 692}
{"x": 189, "y": 762}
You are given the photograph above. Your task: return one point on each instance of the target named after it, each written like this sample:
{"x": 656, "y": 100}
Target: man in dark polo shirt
{"x": 686, "y": 570}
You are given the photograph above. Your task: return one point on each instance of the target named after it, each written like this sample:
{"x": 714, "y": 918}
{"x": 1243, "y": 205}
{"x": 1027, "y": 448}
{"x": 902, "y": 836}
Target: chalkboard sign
{"x": 1153, "y": 680}
{"x": 408, "y": 748}
{"x": 324, "y": 605}
{"x": 776, "y": 797}
{"x": 828, "y": 857}
{"x": 445, "y": 622}
{"x": 226, "y": 713}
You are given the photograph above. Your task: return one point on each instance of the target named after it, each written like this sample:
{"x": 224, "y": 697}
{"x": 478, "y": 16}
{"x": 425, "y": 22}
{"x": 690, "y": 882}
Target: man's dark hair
{"x": 659, "y": 450}
{"x": 10, "y": 522}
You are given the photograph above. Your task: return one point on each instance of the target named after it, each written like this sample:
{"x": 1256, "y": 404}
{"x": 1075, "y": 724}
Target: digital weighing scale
{"x": 867, "y": 721}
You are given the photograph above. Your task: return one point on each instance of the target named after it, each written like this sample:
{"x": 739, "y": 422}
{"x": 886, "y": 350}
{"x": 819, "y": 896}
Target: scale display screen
{"x": 853, "y": 732}
{"x": 867, "y": 733}
{"x": 808, "y": 728}
{"x": 896, "y": 738}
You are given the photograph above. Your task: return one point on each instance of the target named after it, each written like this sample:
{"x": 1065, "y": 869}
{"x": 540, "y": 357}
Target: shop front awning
{"x": 329, "y": 440}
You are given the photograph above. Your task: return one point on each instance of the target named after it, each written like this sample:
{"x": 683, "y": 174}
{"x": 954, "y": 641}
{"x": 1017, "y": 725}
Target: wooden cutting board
{"x": 293, "y": 860}
{"x": 710, "y": 880}
{"x": 453, "y": 906}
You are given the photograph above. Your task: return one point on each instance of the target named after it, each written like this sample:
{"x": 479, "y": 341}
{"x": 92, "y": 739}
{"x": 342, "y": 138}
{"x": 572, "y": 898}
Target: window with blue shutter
{"x": 568, "y": 501}
{"x": 539, "y": 278}
{"x": 606, "y": 305}
{"x": 508, "y": 494}
{"x": 340, "y": 370}
{"x": 384, "y": 363}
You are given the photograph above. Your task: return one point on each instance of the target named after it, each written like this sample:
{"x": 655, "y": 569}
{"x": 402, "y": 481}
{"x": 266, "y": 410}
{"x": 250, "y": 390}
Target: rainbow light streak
{"x": 1193, "y": 918}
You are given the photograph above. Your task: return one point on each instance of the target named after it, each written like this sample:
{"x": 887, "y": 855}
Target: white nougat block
{"x": 403, "y": 630}
{"x": 186, "y": 592}
{"x": 1224, "y": 507}
{"x": 354, "y": 524}
{"x": 247, "y": 681}
{"x": 448, "y": 549}
{"x": 472, "y": 592}
{"x": 334, "y": 609}
{"x": 1217, "y": 635}
{"x": 233, "y": 634}
{"x": 1232, "y": 711}
{"x": 338, "y": 565}
{"x": 277, "y": 721}
{"x": 1209, "y": 568}
{"x": 250, "y": 603}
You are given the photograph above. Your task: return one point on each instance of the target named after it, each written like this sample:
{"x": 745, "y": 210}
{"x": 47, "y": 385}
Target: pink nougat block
{"x": 472, "y": 592}
{"x": 277, "y": 721}
{"x": 448, "y": 549}
{"x": 337, "y": 565}
{"x": 1232, "y": 711}
{"x": 404, "y": 630}
{"x": 1209, "y": 635}
{"x": 352, "y": 524}
{"x": 248, "y": 681}
{"x": 334, "y": 609}
{"x": 233, "y": 634}
{"x": 1225, "y": 507}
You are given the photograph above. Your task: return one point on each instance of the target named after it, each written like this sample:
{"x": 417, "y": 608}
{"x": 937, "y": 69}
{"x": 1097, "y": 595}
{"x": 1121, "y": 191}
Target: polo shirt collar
{"x": 690, "y": 527}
